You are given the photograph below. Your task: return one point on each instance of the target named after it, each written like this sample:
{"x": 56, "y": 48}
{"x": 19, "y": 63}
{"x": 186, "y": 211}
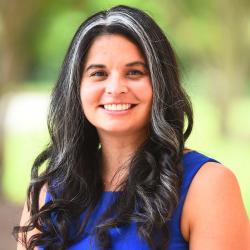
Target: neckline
{"x": 118, "y": 192}
{"x": 188, "y": 153}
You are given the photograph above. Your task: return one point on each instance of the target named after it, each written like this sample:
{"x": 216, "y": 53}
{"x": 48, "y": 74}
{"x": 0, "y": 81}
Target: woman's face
{"x": 116, "y": 91}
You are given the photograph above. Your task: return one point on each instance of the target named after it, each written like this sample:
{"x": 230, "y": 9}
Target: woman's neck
{"x": 115, "y": 157}
{"x": 115, "y": 154}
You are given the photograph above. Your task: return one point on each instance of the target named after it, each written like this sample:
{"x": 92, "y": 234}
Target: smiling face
{"x": 116, "y": 91}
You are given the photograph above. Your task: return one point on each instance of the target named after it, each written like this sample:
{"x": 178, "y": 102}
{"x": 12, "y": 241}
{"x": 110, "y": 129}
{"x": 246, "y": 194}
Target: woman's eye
{"x": 98, "y": 74}
{"x": 135, "y": 72}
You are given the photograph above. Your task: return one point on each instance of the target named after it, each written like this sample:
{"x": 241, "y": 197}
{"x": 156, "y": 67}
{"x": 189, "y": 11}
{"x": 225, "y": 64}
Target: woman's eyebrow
{"x": 94, "y": 66}
{"x": 136, "y": 63}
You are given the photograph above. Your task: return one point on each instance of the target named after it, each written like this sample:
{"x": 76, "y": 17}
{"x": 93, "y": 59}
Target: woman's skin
{"x": 115, "y": 72}
{"x": 217, "y": 220}
{"x": 214, "y": 217}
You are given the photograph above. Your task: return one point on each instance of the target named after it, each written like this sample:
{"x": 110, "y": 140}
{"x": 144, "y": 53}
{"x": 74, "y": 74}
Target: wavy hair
{"x": 149, "y": 194}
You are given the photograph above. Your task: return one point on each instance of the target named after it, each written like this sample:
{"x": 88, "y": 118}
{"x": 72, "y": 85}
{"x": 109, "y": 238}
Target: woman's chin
{"x": 116, "y": 130}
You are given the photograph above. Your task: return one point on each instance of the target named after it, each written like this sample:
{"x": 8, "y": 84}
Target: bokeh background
{"x": 212, "y": 42}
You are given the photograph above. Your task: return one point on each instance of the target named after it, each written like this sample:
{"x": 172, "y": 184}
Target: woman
{"x": 117, "y": 171}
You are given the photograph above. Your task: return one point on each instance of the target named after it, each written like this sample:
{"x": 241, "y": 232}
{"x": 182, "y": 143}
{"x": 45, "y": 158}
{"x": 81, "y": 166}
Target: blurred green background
{"x": 211, "y": 39}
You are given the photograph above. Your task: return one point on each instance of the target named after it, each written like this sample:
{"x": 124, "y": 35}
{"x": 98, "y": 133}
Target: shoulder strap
{"x": 192, "y": 162}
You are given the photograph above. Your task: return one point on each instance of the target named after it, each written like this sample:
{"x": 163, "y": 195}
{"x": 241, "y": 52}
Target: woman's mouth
{"x": 118, "y": 107}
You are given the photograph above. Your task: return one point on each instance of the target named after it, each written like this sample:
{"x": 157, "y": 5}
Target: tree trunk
{"x": 233, "y": 58}
{"x": 17, "y": 17}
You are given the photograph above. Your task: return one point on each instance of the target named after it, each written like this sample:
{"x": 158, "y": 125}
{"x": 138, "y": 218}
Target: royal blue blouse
{"x": 125, "y": 238}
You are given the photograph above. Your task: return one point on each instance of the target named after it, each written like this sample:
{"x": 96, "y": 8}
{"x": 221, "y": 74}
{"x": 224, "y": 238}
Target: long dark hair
{"x": 149, "y": 194}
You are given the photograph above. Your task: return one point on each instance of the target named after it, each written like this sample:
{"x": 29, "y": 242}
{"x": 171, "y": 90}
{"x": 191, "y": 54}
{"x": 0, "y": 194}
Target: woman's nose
{"x": 115, "y": 86}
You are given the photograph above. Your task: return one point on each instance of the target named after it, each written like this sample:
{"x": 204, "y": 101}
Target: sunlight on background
{"x": 213, "y": 60}
{"x": 25, "y": 136}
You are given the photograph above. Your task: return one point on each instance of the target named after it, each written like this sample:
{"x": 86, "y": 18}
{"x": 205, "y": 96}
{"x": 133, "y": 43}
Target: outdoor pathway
{"x": 9, "y": 216}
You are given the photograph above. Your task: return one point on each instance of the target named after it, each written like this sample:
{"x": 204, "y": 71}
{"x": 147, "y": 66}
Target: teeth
{"x": 117, "y": 106}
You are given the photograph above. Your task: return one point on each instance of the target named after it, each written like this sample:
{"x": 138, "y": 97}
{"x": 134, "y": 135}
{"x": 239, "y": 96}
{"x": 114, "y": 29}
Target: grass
{"x": 233, "y": 152}
{"x": 20, "y": 152}
{"x": 21, "y": 148}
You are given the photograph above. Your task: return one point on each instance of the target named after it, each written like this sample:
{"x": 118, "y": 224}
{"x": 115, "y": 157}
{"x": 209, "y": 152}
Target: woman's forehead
{"x": 114, "y": 47}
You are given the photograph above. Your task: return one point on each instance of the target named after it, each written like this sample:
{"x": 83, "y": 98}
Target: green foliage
{"x": 53, "y": 42}
{"x": 197, "y": 32}
{"x": 20, "y": 152}
{"x": 22, "y": 148}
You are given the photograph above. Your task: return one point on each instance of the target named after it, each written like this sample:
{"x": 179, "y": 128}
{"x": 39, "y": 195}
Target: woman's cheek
{"x": 91, "y": 94}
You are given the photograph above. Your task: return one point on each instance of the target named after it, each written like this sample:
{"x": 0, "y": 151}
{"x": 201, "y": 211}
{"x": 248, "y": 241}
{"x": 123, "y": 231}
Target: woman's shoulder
{"x": 211, "y": 178}
{"x": 193, "y": 161}
{"x": 214, "y": 210}
{"x": 42, "y": 195}
{"x": 26, "y": 210}
{"x": 25, "y": 217}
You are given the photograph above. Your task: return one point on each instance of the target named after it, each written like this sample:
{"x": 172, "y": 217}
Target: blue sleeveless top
{"x": 126, "y": 237}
